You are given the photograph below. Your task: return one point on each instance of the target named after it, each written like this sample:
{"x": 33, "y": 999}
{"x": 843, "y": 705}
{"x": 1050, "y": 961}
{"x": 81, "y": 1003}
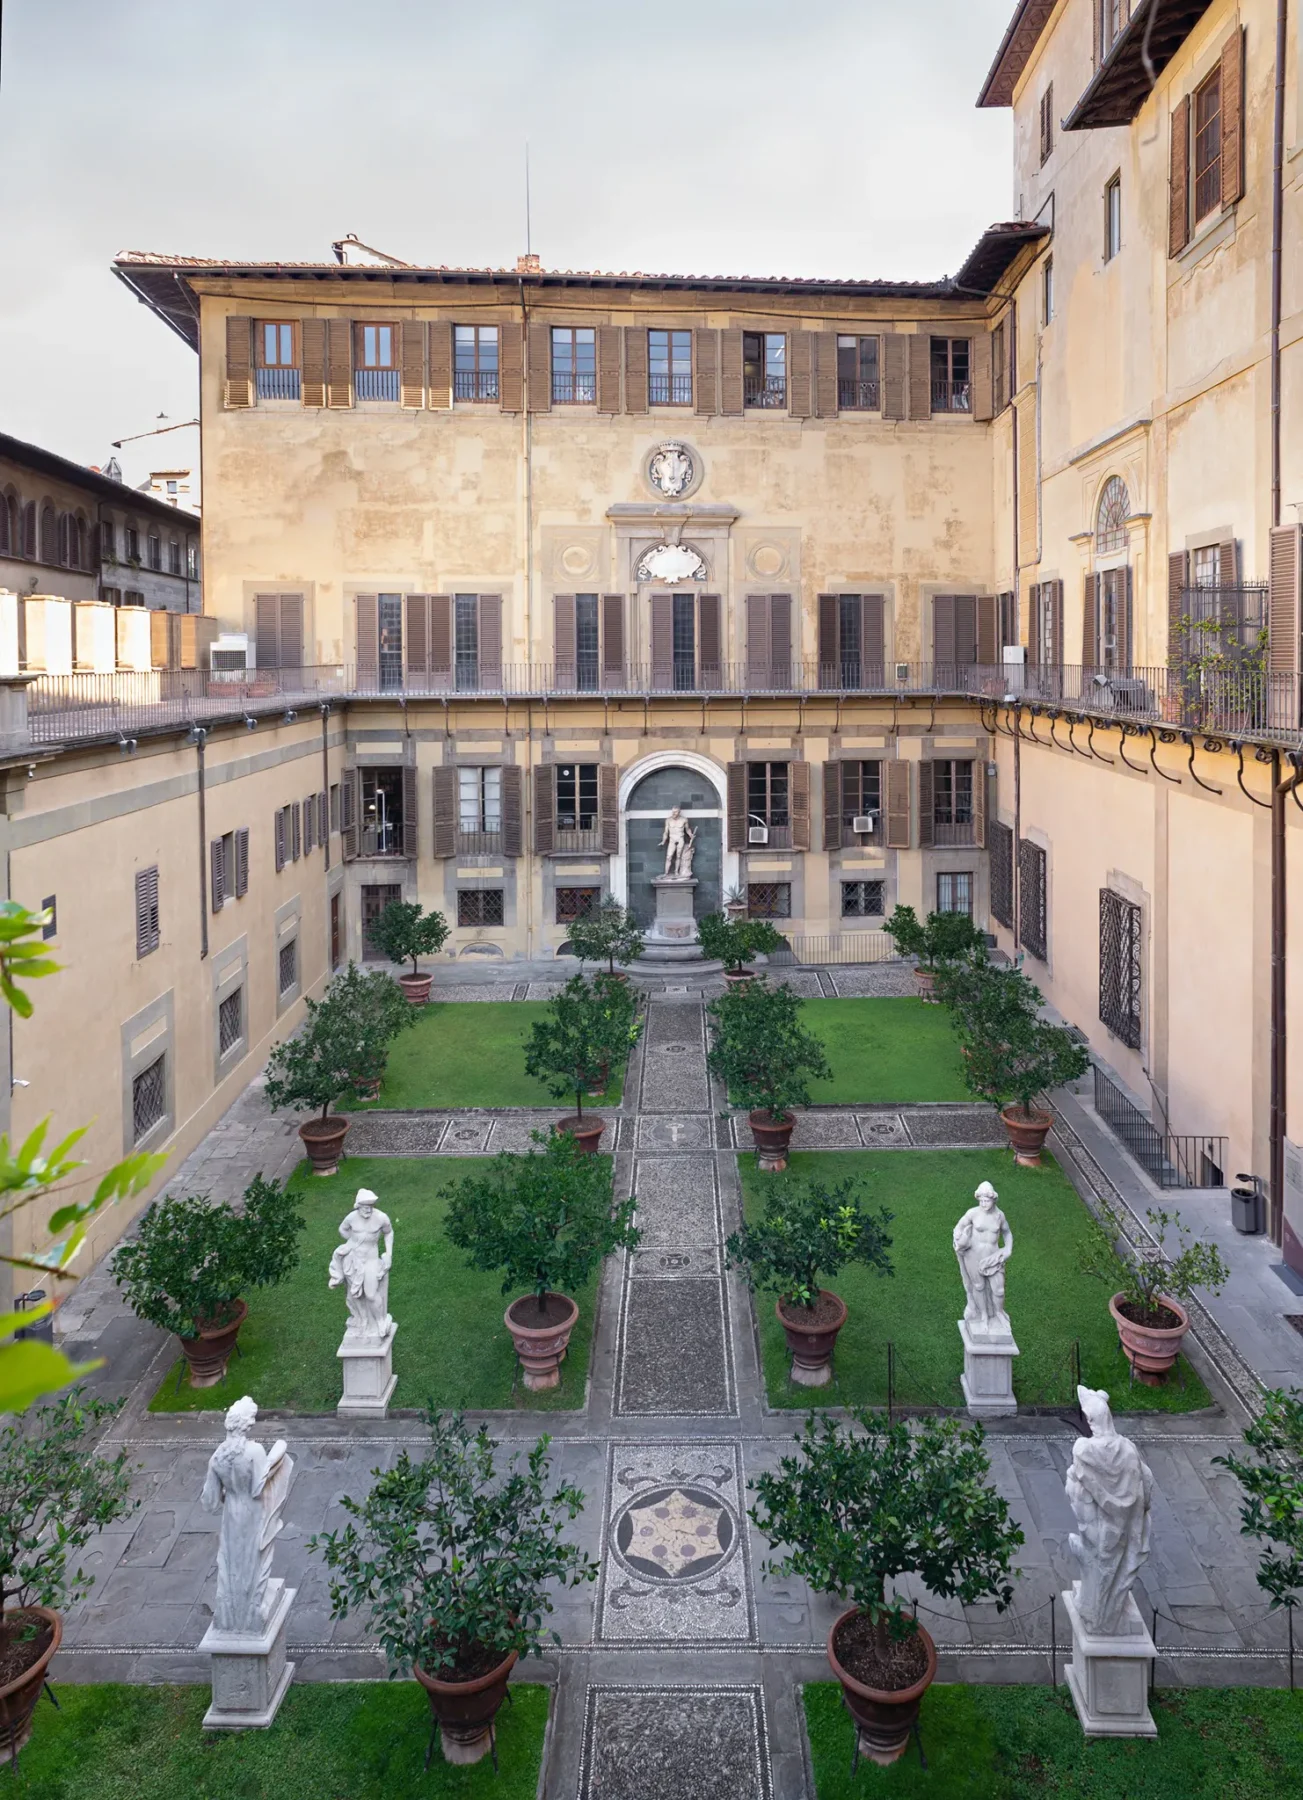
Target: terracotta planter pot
{"x": 884, "y": 1717}
{"x": 587, "y": 1133}
{"x": 323, "y": 1139}
{"x": 1027, "y": 1134}
{"x": 772, "y": 1136}
{"x": 812, "y": 1345}
{"x": 465, "y": 1711}
{"x": 925, "y": 981}
{"x": 735, "y": 909}
{"x": 18, "y": 1697}
{"x": 737, "y": 978}
{"x": 368, "y": 1090}
{"x": 416, "y": 987}
{"x": 541, "y": 1347}
{"x": 209, "y": 1353}
{"x": 1152, "y": 1350}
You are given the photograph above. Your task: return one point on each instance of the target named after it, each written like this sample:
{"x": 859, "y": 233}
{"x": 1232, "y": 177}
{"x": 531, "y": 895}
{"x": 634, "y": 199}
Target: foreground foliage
{"x": 1273, "y": 1493}
{"x": 810, "y": 1229}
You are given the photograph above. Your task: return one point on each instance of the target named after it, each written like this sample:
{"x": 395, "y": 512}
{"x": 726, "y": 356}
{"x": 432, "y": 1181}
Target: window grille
{"x": 480, "y": 906}
{"x": 576, "y": 903}
{"x": 999, "y": 842}
{"x": 230, "y": 1021}
{"x": 148, "y": 935}
{"x": 1120, "y": 970}
{"x": 149, "y": 1098}
{"x": 1111, "y": 519}
{"x": 862, "y": 899}
{"x": 769, "y": 899}
{"x": 955, "y": 892}
{"x": 1033, "y": 905}
{"x": 287, "y": 966}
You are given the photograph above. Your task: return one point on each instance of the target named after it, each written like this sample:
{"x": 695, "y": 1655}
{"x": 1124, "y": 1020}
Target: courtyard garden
{"x": 885, "y": 1050}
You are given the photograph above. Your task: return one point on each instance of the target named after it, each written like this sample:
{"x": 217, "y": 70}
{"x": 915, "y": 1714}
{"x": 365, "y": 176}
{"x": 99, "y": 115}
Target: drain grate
{"x": 1296, "y": 1320}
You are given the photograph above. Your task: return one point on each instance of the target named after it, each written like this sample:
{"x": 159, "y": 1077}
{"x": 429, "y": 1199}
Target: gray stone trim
{"x": 142, "y": 1044}
{"x": 286, "y": 930}
{"x": 230, "y": 970}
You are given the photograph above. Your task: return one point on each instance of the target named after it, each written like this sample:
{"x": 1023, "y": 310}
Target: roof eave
{"x": 1017, "y": 47}
{"x": 1122, "y": 84}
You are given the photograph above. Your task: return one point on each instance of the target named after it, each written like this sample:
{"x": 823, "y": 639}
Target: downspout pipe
{"x": 1277, "y": 234}
{"x": 1280, "y": 789}
{"x": 200, "y": 741}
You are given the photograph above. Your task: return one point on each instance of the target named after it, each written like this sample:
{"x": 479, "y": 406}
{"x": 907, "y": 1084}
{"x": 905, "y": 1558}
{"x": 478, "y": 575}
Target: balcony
{"x": 278, "y": 384}
{"x": 779, "y": 836}
{"x": 670, "y": 390}
{"x": 952, "y": 397}
{"x": 583, "y": 841}
{"x": 479, "y": 843}
{"x": 859, "y": 396}
{"x": 767, "y": 390}
{"x": 376, "y": 384}
{"x": 475, "y": 384}
{"x": 952, "y": 834}
{"x": 570, "y": 389}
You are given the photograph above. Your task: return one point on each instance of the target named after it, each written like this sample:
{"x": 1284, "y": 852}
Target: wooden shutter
{"x": 1232, "y": 85}
{"x": 368, "y": 641}
{"x": 709, "y": 666}
{"x": 662, "y": 640}
{"x": 979, "y": 802}
{"x": 446, "y": 812}
{"x": 350, "y": 807}
{"x": 1029, "y": 480}
{"x": 608, "y": 368}
{"x": 945, "y": 651}
{"x": 737, "y": 805}
{"x": 239, "y": 362}
{"x": 758, "y": 673}
{"x": 918, "y": 356}
{"x": 705, "y": 384}
{"x": 563, "y": 641}
{"x": 323, "y": 823}
{"x": 829, "y": 641}
{"x": 544, "y": 809}
{"x": 798, "y": 800}
{"x": 824, "y": 344}
{"x": 1126, "y": 634}
{"x": 873, "y": 638}
{"x": 927, "y": 796}
{"x": 893, "y": 375}
{"x": 538, "y": 383}
{"x": 411, "y": 818}
{"x": 312, "y": 338}
{"x": 1177, "y": 575}
{"x": 296, "y": 831}
{"x": 987, "y": 654}
{"x": 1097, "y": 40}
{"x": 440, "y": 363}
{"x": 1178, "y": 199}
{"x": 411, "y": 362}
{"x": 800, "y": 373}
{"x": 513, "y": 810}
{"x": 147, "y": 919}
{"x": 1227, "y": 569}
{"x": 1034, "y": 622}
{"x": 613, "y": 640}
{"x": 608, "y": 807}
{"x": 339, "y": 362}
{"x": 731, "y": 395}
{"x": 242, "y": 862}
{"x": 490, "y": 640}
{"x": 1056, "y": 603}
{"x": 266, "y": 631}
{"x": 832, "y": 806}
{"x": 217, "y": 874}
{"x": 416, "y": 641}
{"x": 291, "y": 631}
{"x": 635, "y": 369}
{"x": 440, "y": 640}
{"x": 309, "y": 824}
{"x": 1090, "y": 622}
{"x": 511, "y": 368}
{"x": 898, "y": 833}
{"x": 278, "y": 824}
{"x": 780, "y": 640}
{"x": 982, "y": 376}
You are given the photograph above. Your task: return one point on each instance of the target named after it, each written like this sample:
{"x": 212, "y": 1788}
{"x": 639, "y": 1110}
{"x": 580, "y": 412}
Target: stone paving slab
{"x": 689, "y": 1132}
{"x": 677, "y": 1203}
{"x": 674, "y": 1356}
{"x": 396, "y": 1134}
{"x": 675, "y": 1743}
{"x": 883, "y": 1130}
{"x": 955, "y": 1128}
{"x": 885, "y": 980}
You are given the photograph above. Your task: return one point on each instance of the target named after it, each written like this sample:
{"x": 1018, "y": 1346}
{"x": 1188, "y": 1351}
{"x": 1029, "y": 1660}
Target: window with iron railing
{"x": 149, "y": 1098}
{"x": 475, "y": 362}
{"x": 999, "y": 843}
{"x": 380, "y": 826}
{"x": 859, "y": 386}
{"x": 669, "y": 368}
{"x": 764, "y": 368}
{"x": 276, "y": 369}
{"x": 230, "y": 1022}
{"x": 576, "y": 903}
{"x": 480, "y": 906}
{"x": 287, "y": 967}
{"x": 861, "y": 795}
{"x": 1047, "y": 124}
{"x": 1120, "y": 966}
{"x": 950, "y": 370}
{"x": 952, "y": 801}
{"x": 1207, "y": 127}
{"x": 574, "y": 365}
{"x": 769, "y": 899}
{"x": 863, "y": 899}
{"x": 955, "y": 891}
{"x": 768, "y": 802}
{"x": 576, "y": 807}
{"x": 466, "y": 642}
{"x": 1033, "y": 899}
{"x": 479, "y": 811}
{"x": 375, "y": 374}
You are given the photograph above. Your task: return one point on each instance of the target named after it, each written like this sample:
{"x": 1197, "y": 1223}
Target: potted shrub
{"x": 456, "y": 1559}
{"x": 809, "y": 1229}
{"x": 589, "y": 1025}
{"x": 1272, "y": 1508}
{"x": 766, "y": 1059}
{"x": 338, "y": 1045}
{"x": 405, "y": 934}
{"x": 609, "y": 935}
{"x": 374, "y": 994}
{"x": 736, "y": 942}
{"x": 545, "y": 1220}
{"x": 736, "y": 904}
{"x": 191, "y": 1262}
{"x": 1011, "y": 1055}
{"x": 945, "y": 937}
{"x": 871, "y": 1501}
{"x": 1150, "y": 1285}
{"x": 55, "y": 1495}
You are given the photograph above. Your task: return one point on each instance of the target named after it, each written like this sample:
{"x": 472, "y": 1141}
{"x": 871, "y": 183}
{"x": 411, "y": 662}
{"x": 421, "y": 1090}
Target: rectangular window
{"x": 858, "y": 377}
{"x": 1120, "y": 966}
{"x": 574, "y": 365}
{"x": 769, "y": 899}
{"x": 951, "y": 391}
{"x": 768, "y": 787}
{"x": 861, "y": 793}
{"x": 999, "y": 372}
{"x": 230, "y": 1021}
{"x": 1047, "y": 124}
{"x": 147, "y": 927}
{"x": 1047, "y": 291}
{"x": 684, "y": 627}
{"x": 173, "y": 557}
{"x": 1113, "y": 649}
{"x": 375, "y": 898}
{"x": 192, "y": 561}
{"x": 149, "y": 1098}
{"x": 287, "y": 966}
{"x": 576, "y": 797}
{"x": 113, "y": 596}
{"x": 155, "y": 551}
{"x": 999, "y": 839}
{"x": 108, "y": 541}
{"x": 955, "y": 892}
{"x": 1032, "y": 899}
{"x": 479, "y": 906}
{"x": 669, "y": 368}
{"x": 336, "y": 930}
{"x": 133, "y": 543}
{"x": 1206, "y": 566}
{"x": 587, "y": 643}
{"x": 764, "y": 368}
{"x": 479, "y": 810}
{"x": 389, "y": 642}
{"x": 1112, "y": 218}
{"x": 133, "y": 597}
{"x": 1208, "y": 146}
{"x": 1006, "y": 620}
{"x": 862, "y": 899}
{"x": 375, "y": 376}
{"x": 466, "y": 641}
{"x": 576, "y": 903}
{"x": 475, "y": 362}
{"x": 223, "y": 869}
{"x": 51, "y": 926}
{"x": 1113, "y": 15}
{"x": 381, "y": 825}
{"x": 277, "y": 361}
{"x": 952, "y": 801}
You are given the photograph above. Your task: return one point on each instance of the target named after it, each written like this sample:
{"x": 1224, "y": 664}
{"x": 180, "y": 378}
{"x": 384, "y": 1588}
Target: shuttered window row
{"x": 228, "y": 867}
{"x": 428, "y": 642}
{"x": 1207, "y": 147}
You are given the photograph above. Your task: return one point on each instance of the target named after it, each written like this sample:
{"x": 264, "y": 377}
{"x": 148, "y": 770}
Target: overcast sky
{"x": 765, "y": 137}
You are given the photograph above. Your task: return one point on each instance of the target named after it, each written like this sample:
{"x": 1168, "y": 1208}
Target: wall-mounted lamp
{"x": 290, "y": 715}
{"x": 250, "y": 723}
{"x": 127, "y": 745}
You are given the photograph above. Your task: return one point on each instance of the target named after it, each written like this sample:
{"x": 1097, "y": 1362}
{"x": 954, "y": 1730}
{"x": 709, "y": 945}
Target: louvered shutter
{"x": 798, "y": 793}
{"x": 979, "y": 802}
{"x": 217, "y": 874}
{"x": 780, "y": 640}
{"x": 898, "y": 834}
{"x": 312, "y": 338}
{"x": 296, "y": 831}
{"x": 349, "y": 808}
{"x": 1232, "y": 85}
{"x": 323, "y": 823}
{"x": 544, "y": 809}
{"x": 1125, "y": 631}
{"x": 411, "y": 817}
{"x": 608, "y": 368}
{"x": 608, "y": 807}
{"x": 1176, "y": 582}
{"x": 239, "y": 362}
{"x": 416, "y": 641}
{"x": 1090, "y": 622}
{"x": 242, "y": 862}
{"x": 918, "y": 357}
{"x": 927, "y": 800}
{"x": 635, "y": 369}
{"x": 944, "y": 635}
{"x": 613, "y": 640}
{"x": 564, "y": 672}
{"x": 1227, "y": 564}
{"x": 832, "y": 806}
{"x": 440, "y": 363}
{"x": 759, "y": 674}
{"x": 538, "y": 381}
{"x": 987, "y": 654}
{"x": 873, "y": 638}
{"x": 278, "y": 823}
{"x": 800, "y": 371}
{"x": 893, "y": 375}
{"x": 1178, "y": 199}
{"x": 829, "y": 642}
{"x": 825, "y": 374}
{"x": 662, "y": 641}
{"x": 1097, "y": 28}
{"x": 982, "y": 376}
{"x": 309, "y": 824}
{"x": 709, "y": 665}
{"x": 513, "y": 811}
{"x": 511, "y": 368}
{"x": 1056, "y": 603}
{"x": 705, "y": 354}
{"x": 440, "y": 640}
{"x": 1034, "y": 623}
{"x": 731, "y": 391}
{"x": 291, "y": 631}
{"x": 266, "y": 631}
{"x": 148, "y": 931}
{"x": 411, "y": 363}
{"x": 339, "y": 362}
{"x": 490, "y": 641}
{"x": 446, "y": 812}
{"x": 737, "y": 805}
{"x": 368, "y": 641}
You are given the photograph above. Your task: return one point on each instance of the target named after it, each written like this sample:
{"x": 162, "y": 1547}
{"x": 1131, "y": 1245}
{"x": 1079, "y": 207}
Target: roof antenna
{"x": 529, "y": 247}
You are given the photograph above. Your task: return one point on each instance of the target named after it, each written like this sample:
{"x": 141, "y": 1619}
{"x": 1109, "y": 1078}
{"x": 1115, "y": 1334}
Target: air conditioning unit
{"x": 862, "y": 822}
{"x": 757, "y": 834}
{"x": 231, "y": 656}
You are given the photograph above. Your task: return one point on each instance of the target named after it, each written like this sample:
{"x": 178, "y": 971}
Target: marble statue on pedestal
{"x": 679, "y": 841}
{"x": 362, "y": 1268}
{"x": 248, "y": 1484}
{"x": 1109, "y": 1488}
{"x": 982, "y": 1258}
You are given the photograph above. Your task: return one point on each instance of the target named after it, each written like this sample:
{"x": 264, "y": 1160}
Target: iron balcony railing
{"x": 764, "y": 390}
{"x": 952, "y": 396}
{"x": 836, "y": 947}
{"x": 573, "y": 389}
{"x": 375, "y": 384}
{"x": 952, "y": 834}
{"x": 475, "y": 384}
{"x": 479, "y": 843}
{"x": 858, "y": 396}
{"x": 278, "y": 384}
{"x": 670, "y": 390}
{"x": 1170, "y": 1161}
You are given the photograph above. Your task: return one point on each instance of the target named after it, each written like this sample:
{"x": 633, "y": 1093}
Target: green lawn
{"x": 452, "y": 1346}
{"x": 1050, "y": 1302}
{"x": 1024, "y": 1743}
{"x": 349, "y": 1740}
{"x": 470, "y": 1053}
{"x": 883, "y": 1050}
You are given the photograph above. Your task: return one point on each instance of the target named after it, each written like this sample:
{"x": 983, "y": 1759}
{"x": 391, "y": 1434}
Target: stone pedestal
{"x": 672, "y": 936}
{"x": 367, "y": 1367}
{"x": 250, "y": 1673}
{"x": 1108, "y": 1677}
{"x": 988, "y": 1375}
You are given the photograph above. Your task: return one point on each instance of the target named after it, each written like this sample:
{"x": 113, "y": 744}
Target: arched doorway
{"x": 651, "y": 795}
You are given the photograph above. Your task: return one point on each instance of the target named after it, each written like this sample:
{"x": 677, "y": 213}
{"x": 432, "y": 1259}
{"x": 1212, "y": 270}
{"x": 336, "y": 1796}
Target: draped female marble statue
{"x": 678, "y": 839}
{"x": 1109, "y": 1488}
{"x": 249, "y": 1485}
{"x": 362, "y": 1267}
{"x": 982, "y": 1258}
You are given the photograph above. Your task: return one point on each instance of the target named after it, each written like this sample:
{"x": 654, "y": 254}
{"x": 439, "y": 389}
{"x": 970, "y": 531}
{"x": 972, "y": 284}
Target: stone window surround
{"x": 230, "y": 970}
{"x": 145, "y": 1036}
{"x": 288, "y": 919}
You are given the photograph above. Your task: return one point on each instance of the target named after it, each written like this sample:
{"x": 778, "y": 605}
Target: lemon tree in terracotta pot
{"x": 766, "y": 1059}
{"x": 608, "y": 934}
{"x": 1010, "y": 1054}
{"x": 941, "y": 938}
{"x": 405, "y": 934}
{"x": 589, "y": 1027}
{"x": 340, "y": 1046}
{"x": 1151, "y": 1285}
{"x": 1272, "y": 1508}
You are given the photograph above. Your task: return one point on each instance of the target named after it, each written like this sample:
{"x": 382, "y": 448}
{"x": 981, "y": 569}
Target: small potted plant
{"x": 374, "y": 994}
{"x": 55, "y": 1495}
{"x": 736, "y": 904}
{"x": 766, "y": 1059}
{"x": 405, "y": 934}
{"x": 191, "y": 1262}
{"x": 609, "y": 935}
{"x": 545, "y": 1220}
{"x": 571, "y": 1051}
{"x": 456, "y": 1560}
{"x": 1150, "y": 1287}
{"x": 1010, "y": 1054}
{"x": 736, "y": 942}
{"x": 809, "y": 1229}
{"x": 1272, "y": 1508}
{"x": 871, "y": 1501}
{"x": 338, "y": 1045}
{"x": 945, "y": 937}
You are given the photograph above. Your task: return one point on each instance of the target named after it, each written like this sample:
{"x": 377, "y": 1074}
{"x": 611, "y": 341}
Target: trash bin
{"x": 1246, "y": 1209}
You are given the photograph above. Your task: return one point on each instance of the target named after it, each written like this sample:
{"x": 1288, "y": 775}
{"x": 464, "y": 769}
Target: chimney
{"x": 529, "y": 264}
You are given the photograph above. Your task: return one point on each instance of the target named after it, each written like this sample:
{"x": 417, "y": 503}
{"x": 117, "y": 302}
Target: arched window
{"x": 155, "y": 551}
{"x": 49, "y": 534}
{"x": 1111, "y": 519}
{"x": 7, "y": 523}
{"x": 29, "y": 530}
{"x": 66, "y": 540}
{"x": 173, "y": 557}
{"x": 77, "y": 541}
